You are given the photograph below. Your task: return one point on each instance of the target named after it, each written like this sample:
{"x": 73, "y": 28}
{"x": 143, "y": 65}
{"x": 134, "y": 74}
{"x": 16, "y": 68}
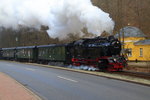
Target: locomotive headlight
{"x": 99, "y": 61}
{"x": 115, "y": 60}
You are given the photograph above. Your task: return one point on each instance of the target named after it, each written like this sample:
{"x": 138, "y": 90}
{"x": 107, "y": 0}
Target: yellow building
{"x": 136, "y": 45}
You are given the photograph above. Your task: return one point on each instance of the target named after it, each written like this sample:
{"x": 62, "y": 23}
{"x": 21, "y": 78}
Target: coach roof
{"x": 9, "y": 48}
{"x": 51, "y": 45}
{"x": 26, "y": 47}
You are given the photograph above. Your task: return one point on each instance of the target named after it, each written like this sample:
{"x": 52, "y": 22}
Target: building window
{"x": 129, "y": 52}
{"x": 141, "y": 52}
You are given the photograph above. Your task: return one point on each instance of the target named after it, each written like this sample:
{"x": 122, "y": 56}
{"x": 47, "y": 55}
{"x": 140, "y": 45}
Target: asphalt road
{"x": 55, "y": 84}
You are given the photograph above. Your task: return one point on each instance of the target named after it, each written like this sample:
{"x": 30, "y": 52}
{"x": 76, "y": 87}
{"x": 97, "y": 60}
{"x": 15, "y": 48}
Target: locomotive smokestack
{"x": 63, "y": 17}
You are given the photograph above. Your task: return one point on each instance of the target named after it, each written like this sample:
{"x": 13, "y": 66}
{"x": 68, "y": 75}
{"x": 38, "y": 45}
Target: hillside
{"x": 127, "y": 13}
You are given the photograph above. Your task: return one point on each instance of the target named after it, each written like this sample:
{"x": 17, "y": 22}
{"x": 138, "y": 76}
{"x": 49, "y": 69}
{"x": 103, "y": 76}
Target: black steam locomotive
{"x": 102, "y": 53}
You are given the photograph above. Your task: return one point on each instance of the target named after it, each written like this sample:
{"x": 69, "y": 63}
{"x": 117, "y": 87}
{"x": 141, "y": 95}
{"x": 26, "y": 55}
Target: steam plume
{"x": 63, "y": 17}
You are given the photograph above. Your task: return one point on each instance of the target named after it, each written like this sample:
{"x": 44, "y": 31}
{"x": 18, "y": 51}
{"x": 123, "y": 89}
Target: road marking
{"x": 9, "y": 64}
{"x": 67, "y": 79}
{"x": 30, "y": 69}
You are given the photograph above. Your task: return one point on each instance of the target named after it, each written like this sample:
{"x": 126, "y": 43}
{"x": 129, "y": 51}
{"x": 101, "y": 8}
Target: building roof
{"x": 143, "y": 42}
{"x": 130, "y": 31}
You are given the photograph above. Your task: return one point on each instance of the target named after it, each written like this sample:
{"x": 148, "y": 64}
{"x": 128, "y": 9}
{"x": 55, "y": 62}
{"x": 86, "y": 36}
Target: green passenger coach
{"x": 28, "y": 53}
{"x": 8, "y": 53}
{"x": 55, "y": 53}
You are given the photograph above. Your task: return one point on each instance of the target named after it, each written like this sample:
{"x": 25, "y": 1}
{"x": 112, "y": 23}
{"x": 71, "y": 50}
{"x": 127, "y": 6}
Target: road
{"x": 55, "y": 84}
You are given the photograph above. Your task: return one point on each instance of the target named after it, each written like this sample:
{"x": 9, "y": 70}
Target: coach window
{"x": 141, "y": 52}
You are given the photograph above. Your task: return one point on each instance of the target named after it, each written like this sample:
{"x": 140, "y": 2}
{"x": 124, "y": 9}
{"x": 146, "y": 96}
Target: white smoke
{"x": 83, "y": 67}
{"x": 61, "y": 16}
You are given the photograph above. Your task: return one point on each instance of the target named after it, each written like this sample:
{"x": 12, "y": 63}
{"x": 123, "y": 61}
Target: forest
{"x": 124, "y": 13}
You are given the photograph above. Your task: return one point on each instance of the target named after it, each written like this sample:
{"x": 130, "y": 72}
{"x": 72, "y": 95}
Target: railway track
{"x": 134, "y": 74}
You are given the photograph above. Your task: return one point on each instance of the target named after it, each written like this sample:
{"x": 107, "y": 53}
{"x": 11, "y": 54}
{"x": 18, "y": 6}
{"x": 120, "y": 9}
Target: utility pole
{"x": 123, "y": 40}
{"x": 120, "y": 23}
{"x": 119, "y": 19}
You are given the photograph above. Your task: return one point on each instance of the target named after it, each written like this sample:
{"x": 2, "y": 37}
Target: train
{"x": 102, "y": 53}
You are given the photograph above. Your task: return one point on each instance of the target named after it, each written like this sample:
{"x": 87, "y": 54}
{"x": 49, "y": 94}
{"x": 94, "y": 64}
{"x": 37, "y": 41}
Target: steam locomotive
{"x": 102, "y": 53}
